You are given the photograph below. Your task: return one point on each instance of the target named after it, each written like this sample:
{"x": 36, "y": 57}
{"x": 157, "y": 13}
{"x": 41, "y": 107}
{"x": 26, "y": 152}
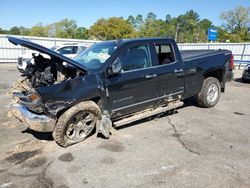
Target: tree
{"x": 132, "y": 21}
{"x": 81, "y": 33}
{"x": 168, "y": 18}
{"x": 202, "y": 29}
{"x": 15, "y": 31}
{"x": 151, "y": 16}
{"x": 136, "y": 22}
{"x": 39, "y": 30}
{"x": 237, "y": 19}
{"x": 237, "y": 23}
{"x": 24, "y": 31}
{"x": 187, "y": 26}
{"x": 66, "y": 28}
{"x": 139, "y": 21}
{"x": 112, "y": 28}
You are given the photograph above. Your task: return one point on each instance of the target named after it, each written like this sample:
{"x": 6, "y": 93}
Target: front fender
{"x": 66, "y": 94}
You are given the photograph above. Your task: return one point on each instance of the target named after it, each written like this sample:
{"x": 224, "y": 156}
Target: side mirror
{"x": 116, "y": 67}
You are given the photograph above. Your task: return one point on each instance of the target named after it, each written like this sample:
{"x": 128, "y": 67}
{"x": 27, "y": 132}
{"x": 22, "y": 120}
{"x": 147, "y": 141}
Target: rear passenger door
{"x": 169, "y": 69}
{"x": 135, "y": 87}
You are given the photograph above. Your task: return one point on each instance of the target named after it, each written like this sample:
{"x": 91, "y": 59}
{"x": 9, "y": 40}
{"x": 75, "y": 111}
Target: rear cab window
{"x": 164, "y": 53}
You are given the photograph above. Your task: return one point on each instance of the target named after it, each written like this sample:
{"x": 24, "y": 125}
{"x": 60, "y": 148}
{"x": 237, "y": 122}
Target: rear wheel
{"x": 76, "y": 124}
{"x": 210, "y": 93}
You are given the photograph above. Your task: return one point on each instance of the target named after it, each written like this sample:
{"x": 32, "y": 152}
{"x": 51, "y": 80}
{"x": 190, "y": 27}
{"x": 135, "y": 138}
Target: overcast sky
{"x": 28, "y": 13}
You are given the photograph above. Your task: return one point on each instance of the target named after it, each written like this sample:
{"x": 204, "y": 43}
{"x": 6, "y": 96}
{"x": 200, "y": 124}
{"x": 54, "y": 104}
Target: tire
{"x": 210, "y": 93}
{"x": 77, "y": 123}
{"x": 243, "y": 80}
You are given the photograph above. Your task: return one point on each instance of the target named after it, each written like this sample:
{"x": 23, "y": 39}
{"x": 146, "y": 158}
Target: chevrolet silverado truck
{"x": 113, "y": 83}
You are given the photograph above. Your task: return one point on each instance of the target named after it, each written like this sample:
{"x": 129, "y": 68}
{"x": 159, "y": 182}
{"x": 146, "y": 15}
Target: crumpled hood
{"x": 42, "y": 49}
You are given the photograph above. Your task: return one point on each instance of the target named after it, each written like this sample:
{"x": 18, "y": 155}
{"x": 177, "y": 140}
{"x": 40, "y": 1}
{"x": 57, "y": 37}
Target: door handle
{"x": 178, "y": 70}
{"x": 150, "y": 76}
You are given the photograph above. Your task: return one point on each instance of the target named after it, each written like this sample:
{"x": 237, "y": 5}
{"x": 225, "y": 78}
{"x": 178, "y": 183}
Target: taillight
{"x": 231, "y": 63}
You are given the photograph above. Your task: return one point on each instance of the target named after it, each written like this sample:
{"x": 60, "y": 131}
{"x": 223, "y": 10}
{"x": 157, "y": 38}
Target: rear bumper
{"x": 36, "y": 122}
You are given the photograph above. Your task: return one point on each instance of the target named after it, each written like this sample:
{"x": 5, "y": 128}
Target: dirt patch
{"x": 2, "y": 170}
{"x": 74, "y": 169}
{"x": 67, "y": 157}
{"x": 43, "y": 181}
{"x": 62, "y": 186}
{"x": 20, "y": 157}
{"x": 35, "y": 163}
{"x": 108, "y": 160}
{"x": 112, "y": 146}
{"x": 239, "y": 113}
{"x": 3, "y": 86}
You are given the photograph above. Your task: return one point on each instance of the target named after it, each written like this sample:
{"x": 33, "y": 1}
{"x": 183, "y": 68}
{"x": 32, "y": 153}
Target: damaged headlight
{"x": 33, "y": 97}
{"x": 29, "y": 99}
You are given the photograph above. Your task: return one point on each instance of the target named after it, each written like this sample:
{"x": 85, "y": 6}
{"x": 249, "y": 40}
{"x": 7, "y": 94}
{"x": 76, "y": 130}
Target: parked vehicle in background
{"x": 246, "y": 74}
{"x": 113, "y": 83}
{"x": 68, "y": 50}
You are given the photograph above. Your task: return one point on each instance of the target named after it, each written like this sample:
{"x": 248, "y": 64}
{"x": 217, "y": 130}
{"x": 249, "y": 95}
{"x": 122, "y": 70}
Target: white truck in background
{"x": 68, "y": 50}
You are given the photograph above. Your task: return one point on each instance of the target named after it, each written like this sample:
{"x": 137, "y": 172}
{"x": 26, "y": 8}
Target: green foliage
{"x": 237, "y": 23}
{"x": 111, "y": 28}
{"x": 39, "y": 30}
{"x": 15, "y": 31}
{"x": 81, "y": 33}
{"x": 187, "y": 27}
{"x": 66, "y": 28}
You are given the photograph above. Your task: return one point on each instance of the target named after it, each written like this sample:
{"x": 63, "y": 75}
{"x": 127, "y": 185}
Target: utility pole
{"x": 176, "y": 33}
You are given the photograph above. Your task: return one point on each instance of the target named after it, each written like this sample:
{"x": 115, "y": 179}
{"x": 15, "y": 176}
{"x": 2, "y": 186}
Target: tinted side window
{"x": 66, "y": 50}
{"x": 137, "y": 57}
{"x": 165, "y": 53}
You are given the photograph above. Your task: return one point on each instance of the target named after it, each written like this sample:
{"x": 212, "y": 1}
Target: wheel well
{"x": 96, "y": 99}
{"x": 216, "y": 74}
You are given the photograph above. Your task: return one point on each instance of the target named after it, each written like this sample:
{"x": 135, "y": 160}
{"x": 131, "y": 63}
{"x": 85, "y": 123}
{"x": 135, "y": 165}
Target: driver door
{"x": 135, "y": 87}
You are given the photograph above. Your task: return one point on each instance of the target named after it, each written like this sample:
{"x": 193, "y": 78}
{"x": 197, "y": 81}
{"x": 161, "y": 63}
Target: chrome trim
{"x": 37, "y": 122}
{"x": 150, "y": 100}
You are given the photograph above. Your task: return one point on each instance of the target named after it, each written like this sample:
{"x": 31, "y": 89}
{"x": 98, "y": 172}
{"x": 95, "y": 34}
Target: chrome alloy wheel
{"x": 213, "y": 92}
{"x": 81, "y": 125}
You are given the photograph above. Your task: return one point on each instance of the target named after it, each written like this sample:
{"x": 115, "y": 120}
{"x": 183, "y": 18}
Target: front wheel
{"x": 76, "y": 124}
{"x": 210, "y": 93}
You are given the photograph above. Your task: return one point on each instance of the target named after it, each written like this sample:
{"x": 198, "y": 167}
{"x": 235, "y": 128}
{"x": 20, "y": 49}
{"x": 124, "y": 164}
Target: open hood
{"x": 42, "y": 49}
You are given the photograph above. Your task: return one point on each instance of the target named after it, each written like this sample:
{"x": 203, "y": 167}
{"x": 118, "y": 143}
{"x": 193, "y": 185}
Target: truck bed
{"x": 193, "y": 54}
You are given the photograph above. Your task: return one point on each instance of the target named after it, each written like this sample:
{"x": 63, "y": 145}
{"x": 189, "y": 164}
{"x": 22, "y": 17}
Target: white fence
{"x": 241, "y": 51}
{"x": 10, "y": 52}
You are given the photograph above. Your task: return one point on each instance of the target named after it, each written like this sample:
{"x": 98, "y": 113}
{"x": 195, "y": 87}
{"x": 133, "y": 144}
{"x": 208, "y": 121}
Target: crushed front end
{"x": 46, "y": 87}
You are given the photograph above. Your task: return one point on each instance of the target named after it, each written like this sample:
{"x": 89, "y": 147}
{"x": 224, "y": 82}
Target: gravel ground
{"x": 194, "y": 147}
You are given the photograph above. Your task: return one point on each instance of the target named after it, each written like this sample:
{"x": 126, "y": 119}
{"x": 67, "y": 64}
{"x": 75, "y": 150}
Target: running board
{"x": 147, "y": 113}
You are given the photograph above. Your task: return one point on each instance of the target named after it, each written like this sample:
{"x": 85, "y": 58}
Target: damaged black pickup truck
{"x": 114, "y": 83}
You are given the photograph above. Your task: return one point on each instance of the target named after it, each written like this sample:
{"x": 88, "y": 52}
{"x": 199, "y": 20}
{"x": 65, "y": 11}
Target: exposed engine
{"x": 45, "y": 72}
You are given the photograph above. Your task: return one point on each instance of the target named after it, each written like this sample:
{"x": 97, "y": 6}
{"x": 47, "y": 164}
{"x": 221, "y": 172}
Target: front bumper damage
{"x": 36, "y": 122}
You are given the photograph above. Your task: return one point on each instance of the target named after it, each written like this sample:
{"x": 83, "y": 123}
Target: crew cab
{"x": 113, "y": 83}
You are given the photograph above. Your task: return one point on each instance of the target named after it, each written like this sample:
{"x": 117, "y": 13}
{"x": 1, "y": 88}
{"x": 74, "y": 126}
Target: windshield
{"x": 95, "y": 56}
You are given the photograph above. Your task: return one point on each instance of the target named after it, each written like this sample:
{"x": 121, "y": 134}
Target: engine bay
{"x": 43, "y": 72}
